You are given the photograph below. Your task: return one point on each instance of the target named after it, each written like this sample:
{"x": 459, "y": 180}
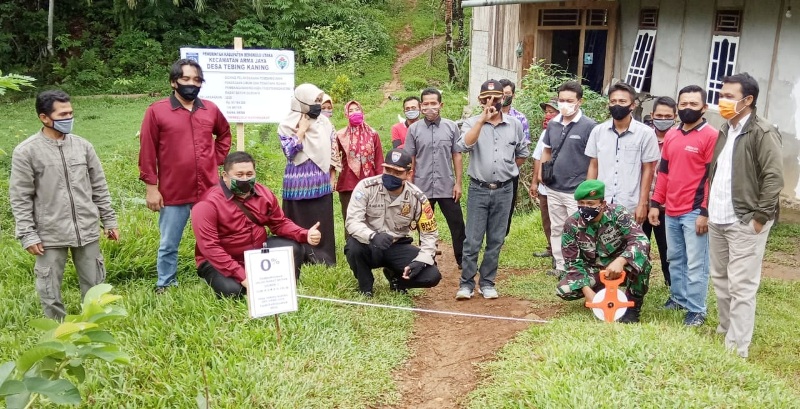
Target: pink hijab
{"x": 357, "y": 142}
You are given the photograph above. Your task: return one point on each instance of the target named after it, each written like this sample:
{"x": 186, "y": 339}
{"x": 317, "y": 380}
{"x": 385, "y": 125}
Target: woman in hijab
{"x": 327, "y": 105}
{"x": 362, "y": 155}
{"x": 308, "y": 141}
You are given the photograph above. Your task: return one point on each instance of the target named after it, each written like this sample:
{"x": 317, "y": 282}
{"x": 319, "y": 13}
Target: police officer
{"x": 382, "y": 213}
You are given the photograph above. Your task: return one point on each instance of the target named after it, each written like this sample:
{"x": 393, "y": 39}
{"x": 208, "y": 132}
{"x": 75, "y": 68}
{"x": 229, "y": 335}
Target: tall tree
{"x": 50, "y": 12}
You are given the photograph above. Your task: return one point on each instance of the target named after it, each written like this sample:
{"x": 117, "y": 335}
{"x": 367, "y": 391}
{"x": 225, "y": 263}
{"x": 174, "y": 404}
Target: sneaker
{"x": 672, "y": 305}
{"x": 161, "y": 290}
{"x": 464, "y": 293}
{"x": 542, "y": 254}
{"x": 694, "y": 319}
{"x": 489, "y": 292}
{"x": 366, "y": 294}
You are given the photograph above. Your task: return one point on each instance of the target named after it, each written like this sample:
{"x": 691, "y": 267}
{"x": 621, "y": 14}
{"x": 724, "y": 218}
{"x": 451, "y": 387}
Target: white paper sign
{"x": 271, "y": 284}
{"x": 254, "y": 86}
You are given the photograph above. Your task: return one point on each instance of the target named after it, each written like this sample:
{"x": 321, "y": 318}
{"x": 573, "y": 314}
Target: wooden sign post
{"x": 237, "y": 45}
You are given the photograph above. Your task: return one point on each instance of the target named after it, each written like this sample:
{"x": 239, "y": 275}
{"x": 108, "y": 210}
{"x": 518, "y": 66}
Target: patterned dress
{"x": 590, "y": 247}
{"x": 306, "y": 180}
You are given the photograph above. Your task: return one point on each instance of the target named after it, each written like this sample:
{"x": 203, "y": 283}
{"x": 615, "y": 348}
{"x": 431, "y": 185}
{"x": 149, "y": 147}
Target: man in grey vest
{"x": 565, "y": 143}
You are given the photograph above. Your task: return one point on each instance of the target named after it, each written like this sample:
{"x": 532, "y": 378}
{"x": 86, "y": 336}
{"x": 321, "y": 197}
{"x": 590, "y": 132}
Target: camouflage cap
{"x": 590, "y": 190}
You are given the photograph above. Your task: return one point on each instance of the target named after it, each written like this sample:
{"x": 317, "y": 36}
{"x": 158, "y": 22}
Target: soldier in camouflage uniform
{"x": 602, "y": 236}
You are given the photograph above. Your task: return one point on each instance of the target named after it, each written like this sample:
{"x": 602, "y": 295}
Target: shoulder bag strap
{"x": 246, "y": 212}
{"x": 564, "y": 135}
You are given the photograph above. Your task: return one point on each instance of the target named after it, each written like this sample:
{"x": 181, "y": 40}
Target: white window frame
{"x": 643, "y": 55}
{"x": 713, "y": 80}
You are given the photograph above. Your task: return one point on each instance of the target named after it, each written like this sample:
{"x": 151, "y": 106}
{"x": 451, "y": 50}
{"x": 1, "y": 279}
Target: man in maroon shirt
{"x": 230, "y": 220}
{"x": 179, "y": 158}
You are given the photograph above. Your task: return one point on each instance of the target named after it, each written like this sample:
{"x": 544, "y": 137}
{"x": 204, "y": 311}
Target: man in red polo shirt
{"x": 179, "y": 158}
{"x": 230, "y": 219}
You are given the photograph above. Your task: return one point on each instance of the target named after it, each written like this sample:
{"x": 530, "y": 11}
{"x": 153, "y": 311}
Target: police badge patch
{"x": 405, "y": 210}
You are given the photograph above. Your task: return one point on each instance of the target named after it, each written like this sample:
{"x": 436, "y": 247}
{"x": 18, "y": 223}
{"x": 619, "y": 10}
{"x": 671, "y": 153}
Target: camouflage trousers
{"x": 636, "y": 282}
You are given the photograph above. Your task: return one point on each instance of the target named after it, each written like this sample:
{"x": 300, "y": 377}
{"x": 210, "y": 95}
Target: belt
{"x": 490, "y": 185}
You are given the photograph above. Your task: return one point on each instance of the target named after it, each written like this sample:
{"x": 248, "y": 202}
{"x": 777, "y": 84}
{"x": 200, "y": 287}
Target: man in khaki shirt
{"x": 382, "y": 213}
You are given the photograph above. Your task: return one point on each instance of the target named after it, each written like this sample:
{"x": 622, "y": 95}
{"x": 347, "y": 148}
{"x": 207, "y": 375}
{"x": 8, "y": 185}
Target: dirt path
{"x": 406, "y": 54}
{"x": 444, "y": 350}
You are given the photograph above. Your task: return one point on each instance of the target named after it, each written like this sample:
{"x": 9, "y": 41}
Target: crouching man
{"x": 602, "y": 236}
{"x": 230, "y": 218}
{"x": 382, "y": 213}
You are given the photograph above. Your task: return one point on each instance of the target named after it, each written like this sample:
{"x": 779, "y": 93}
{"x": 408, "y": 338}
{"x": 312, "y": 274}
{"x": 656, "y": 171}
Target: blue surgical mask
{"x": 391, "y": 182}
{"x": 412, "y": 115}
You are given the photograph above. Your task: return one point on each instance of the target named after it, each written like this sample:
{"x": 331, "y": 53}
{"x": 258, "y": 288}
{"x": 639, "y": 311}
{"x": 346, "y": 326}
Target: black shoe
{"x": 672, "y": 305}
{"x": 161, "y": 290}
{"x": 631, "y": 315}
{"x": 395, "y": 286}
{"x": 366, "y": 294}
{"x": 694, "y": 319}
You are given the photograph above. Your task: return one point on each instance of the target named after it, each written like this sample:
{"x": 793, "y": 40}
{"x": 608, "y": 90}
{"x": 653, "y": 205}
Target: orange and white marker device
{"x": 610, "y": 303}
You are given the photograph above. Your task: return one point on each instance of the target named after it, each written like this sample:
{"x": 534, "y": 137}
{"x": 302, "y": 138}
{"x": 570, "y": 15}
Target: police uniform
{"x": 372, "y": 211}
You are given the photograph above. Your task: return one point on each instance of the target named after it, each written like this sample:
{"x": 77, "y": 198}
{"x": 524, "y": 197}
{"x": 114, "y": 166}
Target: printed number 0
{"x": 268, "y": 265}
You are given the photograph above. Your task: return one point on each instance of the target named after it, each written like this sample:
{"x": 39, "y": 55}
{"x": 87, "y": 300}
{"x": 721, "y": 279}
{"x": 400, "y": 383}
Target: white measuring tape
{"x": 395, "y": 307}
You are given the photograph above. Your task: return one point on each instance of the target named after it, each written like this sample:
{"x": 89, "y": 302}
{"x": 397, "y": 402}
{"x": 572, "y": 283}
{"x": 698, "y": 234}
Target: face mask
{"x": 547, "y": 119}
{"x": 690, "y": 116}
{"x": 498, "y": 106}
{"x": 241, "y": 187}
{"x": 431, "y": 113}
{"x": 327, "y": 112}
{"x": 727, "y": 108}
{"x": 63, "y": 125}
{"x": 314, "y": 111}
{"x": 507, "y": 100}
{"x": 567, "y": 109}
{"x": 619, "y": 112}
{"x": 188, "y": 92}
{"x": 588, "y": 213}
{"x": 412, "y": 115}
{"x": 391, "y": 182}
{"x": 356, "y": 118}
{"x": 663, "y": 124}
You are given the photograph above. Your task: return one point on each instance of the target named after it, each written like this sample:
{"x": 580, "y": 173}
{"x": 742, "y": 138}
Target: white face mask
{"x": 567, "y": 109}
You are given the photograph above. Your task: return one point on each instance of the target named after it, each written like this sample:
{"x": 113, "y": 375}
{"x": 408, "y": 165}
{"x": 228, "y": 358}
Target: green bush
{"x": 537, "y": 86}
{"x": 415, "y": 84}
{"x": 134, "y": 52}
{"x": 342, "y": 89}
{"x": 82, "y": 74}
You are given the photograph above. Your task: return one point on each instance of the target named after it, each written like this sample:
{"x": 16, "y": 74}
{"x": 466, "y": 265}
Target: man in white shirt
{"x": 741, "y": 207}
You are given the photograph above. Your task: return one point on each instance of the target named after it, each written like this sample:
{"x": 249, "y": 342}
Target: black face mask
{"x": 588, "y": 213}
{"x": 241, "y": 187}
{"x": 187, "y": 91}
{"x": 498, "y": 106}
{"x": 690, "y": 116}
{"x": 619, "y": 112}
{"x": 507, "y": 100}
{"x": 314, "y": 111}
{"x": 391, "y": 182}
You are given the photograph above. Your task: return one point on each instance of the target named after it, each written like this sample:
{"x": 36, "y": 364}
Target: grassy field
{"x": 335, "y": 356}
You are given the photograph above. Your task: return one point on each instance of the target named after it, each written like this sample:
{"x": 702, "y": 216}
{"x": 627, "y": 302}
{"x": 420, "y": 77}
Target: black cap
{"x": 398, "y": 159}
{"x": 491, "y": 88}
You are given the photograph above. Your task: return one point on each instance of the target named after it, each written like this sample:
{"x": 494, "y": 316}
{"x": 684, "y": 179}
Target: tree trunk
{"x": 448, "y": 38}
{"x": 458, "y": 17}
{"x": 50, "y": 13}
